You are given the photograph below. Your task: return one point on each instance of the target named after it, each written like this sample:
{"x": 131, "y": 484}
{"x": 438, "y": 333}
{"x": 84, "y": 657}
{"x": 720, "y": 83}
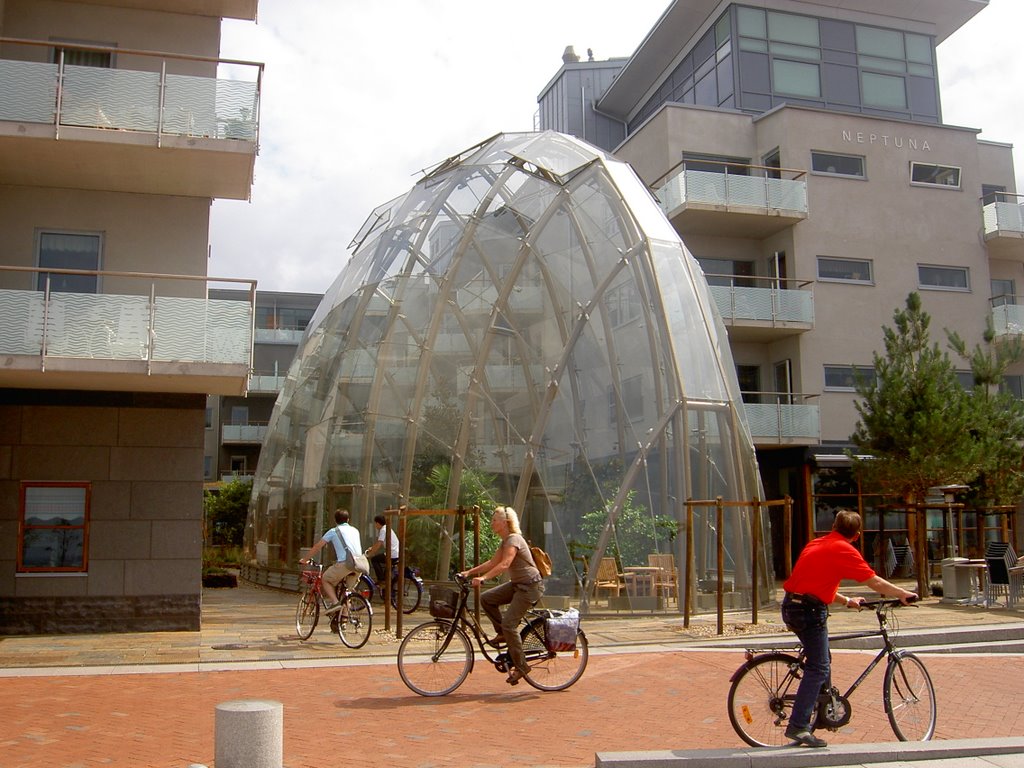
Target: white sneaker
{"x": 333, "y": 608}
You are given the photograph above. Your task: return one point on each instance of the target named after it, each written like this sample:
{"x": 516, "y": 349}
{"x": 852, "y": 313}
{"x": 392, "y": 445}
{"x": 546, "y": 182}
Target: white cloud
{"x": 358, "y": 97}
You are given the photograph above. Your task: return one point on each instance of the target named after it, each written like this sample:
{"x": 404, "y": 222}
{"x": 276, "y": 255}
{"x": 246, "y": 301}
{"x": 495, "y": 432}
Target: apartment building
{"x": 800, "y": 151}
{"x": 119, "y": 125}
{"x": 236, "y": 425}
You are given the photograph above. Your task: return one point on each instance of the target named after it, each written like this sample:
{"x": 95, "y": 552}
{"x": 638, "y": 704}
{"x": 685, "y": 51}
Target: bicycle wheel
{"x": 427, "y": 665}
{"x": 909, "y": 698}
{"x": 364, "y": 587}
{"x": 412, "y": 593}
{"x": 761, "y": 699}
{"x": 307, "y": 613}
{"x": 355, "y": 620}
{"x": 551, "y": 671}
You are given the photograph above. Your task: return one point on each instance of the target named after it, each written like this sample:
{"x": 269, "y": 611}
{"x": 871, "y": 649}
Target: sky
{"x": 359, "y": 97}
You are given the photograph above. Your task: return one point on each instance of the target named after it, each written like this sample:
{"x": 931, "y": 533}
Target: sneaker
{"x": 333, "y": 608}
{"x": 496, "y": 642}
{"x": 804, "y": 737}
{"x": 516, "y": 675}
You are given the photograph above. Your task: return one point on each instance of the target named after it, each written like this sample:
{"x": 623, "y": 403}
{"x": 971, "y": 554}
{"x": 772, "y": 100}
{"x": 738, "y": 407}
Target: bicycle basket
{"x": 560, "y": 628}
{"x": 444, "y": 602}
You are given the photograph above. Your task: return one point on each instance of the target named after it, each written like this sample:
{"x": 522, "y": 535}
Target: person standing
{"x": 377, "y": 559}
{"x": 810, "y": 590}
{"x": 521, "y": 592}
{"x": 345, "y": 539}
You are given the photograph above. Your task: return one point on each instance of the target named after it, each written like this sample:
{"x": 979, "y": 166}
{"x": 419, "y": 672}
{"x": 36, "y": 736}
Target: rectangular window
{"x": 239, "y": 414}
{"x": 843, "y": 378}
{"x": 68, "y": 250}
{"x": 943, "y": 278}
{"x": 965, "y": 379}
{"x": 632, "y": 399}
{"x": 1003, "y": 292}
{"x": 623, "y": 304}
{"x": 936, "y": 175}
{"x": 54, "y": 527}
{"x": 836, "y": 164}
{"x": 846, "y": 270}
{"x": 883, "y": 91}
{"x": 796, "y": 79}
{"x": 1013, "y": 385}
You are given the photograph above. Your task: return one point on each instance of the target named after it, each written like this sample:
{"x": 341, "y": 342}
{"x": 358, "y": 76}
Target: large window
{"x": 632, "y": 399}
{"x": 844, "y": 378}
{"x": 845, "y": 270}
{"x": 943, "y": 278}
{"x": 68, "y": 250}
{"x": 935, "y": 175}
{"x": 796, "y": 78}
{"x": 623, "y": 304}
{"x": 54, "y": 526}
{"x": 836, "y": 164}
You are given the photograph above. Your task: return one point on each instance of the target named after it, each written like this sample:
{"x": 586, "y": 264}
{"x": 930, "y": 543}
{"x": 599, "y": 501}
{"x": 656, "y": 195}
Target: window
{"x": 239, "y": 414}
{"x": 937, "y": 175}
{"x": 943, "y": 278}
{"x": 966, "y": 380}
{"x": 796, "y": 79}
{"x": 623, "y": 304}
{"x": 1013, "y": 385}
{"x": 843, "y": 378}
{"x": 839, "y": 165}
{"x": 209, "y": 417}
{"x": 884, "y": 91}
{"x": 717, "y": 271}
{"x": 749, "y": 378}
{"x": 993, "y": 193}
{"x": 1003, "y": 292}
{"x": 208, "y": 467}
{"x": 847, "y": 270}
{"x": 632, "y": 399}
{"x": 68, "y": 250}
{"x": 53, "y": 530}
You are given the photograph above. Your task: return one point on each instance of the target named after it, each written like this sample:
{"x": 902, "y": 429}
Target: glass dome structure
{"x": 522, "y": 327}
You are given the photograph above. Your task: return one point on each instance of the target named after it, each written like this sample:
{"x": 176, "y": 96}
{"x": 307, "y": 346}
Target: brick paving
{"x": 625, "y": 701}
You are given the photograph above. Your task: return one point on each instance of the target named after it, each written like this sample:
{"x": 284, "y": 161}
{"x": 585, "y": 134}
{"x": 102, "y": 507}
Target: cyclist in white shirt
{"x": 377, "y": 559}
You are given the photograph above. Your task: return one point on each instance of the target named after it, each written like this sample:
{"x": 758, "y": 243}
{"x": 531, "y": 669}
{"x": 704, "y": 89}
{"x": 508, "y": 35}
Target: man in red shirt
{"x": 812, "y": 588}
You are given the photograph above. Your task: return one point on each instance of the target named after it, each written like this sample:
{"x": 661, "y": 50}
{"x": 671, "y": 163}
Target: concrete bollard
{"x": 249, "y": 734}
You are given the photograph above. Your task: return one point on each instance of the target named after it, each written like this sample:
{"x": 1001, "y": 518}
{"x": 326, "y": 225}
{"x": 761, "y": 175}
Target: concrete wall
{"x": 142, "y": 455}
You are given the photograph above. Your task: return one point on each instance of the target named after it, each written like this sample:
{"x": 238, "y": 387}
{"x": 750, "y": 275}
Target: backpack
{"x": 541, "y": 560}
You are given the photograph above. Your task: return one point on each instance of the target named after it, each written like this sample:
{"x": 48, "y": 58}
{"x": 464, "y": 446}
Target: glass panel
{"x": 787, "y": 28}
{"x": 873, "y": 41}
{"x": 52, "y": 548}
{"x": 941, "y": 175}
{"x": 844, "y": 377}
{"x": 795, "y": 51}
{"x": 883, "y": 91}
{"x": 748, "y": 44}
{"x": 923, "y": 70}
{"x": 796, "y": 79}
{"x": 61, "y": 250}
{"x": 942, "y": 277}
{"x": 844, "y": 165}
{"x": 751, "y": 22}
{"x": 919, "y": 48}
{"x": 887, "y": 65}
{"x": 844, "y": 269}
{"x": 722, "y": 30}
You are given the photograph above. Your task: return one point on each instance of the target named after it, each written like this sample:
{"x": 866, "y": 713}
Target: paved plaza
{"x": 149, "y": 699}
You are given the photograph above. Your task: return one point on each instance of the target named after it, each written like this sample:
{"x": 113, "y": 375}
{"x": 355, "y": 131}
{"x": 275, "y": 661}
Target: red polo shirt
{"x": 825, "y": 562}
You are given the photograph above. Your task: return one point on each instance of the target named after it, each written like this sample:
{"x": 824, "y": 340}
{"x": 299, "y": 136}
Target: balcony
{"x": 782, "y": 418}
{"x": 152, "y": 339}
{"x": 228, "y": 9}
{"x": 1007, "y": 316}
{"x": 761, "y": 309}
{"x": 741, "y": 201}
{"x": 1004, "y": 227}
{"x": 163, "y": 130}
{"x": 266, "y": 383}
{"x": 290, "y": 336}
{"x": 238, "y": 434}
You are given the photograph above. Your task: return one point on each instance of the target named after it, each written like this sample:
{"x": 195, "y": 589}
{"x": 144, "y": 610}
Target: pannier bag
{"x": 560, "y": 628}
{"x": 444, "y": 601}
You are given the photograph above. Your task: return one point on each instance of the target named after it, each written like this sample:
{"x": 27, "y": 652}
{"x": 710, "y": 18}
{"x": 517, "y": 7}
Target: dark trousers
{"x": 519, "y": 598}
{"x": 377, "y": 561}
{"x": 809, "y": 620}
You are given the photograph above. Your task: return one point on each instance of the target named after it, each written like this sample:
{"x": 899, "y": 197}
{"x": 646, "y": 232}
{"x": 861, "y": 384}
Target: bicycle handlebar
{"x": 887, "y": 602}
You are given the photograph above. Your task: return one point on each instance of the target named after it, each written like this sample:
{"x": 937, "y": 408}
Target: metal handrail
{"x": 795, "y": 173}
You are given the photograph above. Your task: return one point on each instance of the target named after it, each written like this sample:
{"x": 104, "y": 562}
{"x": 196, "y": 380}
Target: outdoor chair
{"x": 666, "y": 581}
{"x": 608, "y": 578}
{"x": 1005, "y": 579}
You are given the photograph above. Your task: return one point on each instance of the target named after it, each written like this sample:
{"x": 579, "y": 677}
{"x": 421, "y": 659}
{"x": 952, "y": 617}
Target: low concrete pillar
{"x": 248, "y": 733}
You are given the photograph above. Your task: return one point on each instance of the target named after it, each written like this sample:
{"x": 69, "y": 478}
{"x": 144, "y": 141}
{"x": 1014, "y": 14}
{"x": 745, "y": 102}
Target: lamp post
{"x": 949, "y": 493}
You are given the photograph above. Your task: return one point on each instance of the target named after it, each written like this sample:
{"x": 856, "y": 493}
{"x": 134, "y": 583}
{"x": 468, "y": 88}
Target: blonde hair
{"x": 510, "y": 516}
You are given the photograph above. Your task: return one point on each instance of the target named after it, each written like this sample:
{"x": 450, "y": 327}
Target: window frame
{"x": 815, "y": 153}
{"x": 938, "y": 166}
{"x": 869, "y": 280}
{"x": 24, "y": 528}
{"x": 966, "y": 271}
{"x": 66, "y": 287}
{"x": 864, "y": 369}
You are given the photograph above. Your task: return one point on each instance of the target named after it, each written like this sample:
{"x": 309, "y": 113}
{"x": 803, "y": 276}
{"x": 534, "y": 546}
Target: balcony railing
{"x": 745, "y": 186}
{"x": 764, "y": 299}
{"x": 252, "y": 432}
{"x": 1003, "y": 223}
{"x": 154, "y": 325}
{"x": 266, "y": 382}
{"x": 1007, "y": 315}
{"x": 782, "y": 417}
{"x": 157, "y": 100}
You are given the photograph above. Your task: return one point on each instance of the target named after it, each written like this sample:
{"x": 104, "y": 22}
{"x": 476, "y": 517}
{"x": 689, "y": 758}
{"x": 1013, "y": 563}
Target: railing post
{"x": 720, "y": 538}
{"x": 755, "y": 537}
{"x": 60, "y": 95}
{"x": 690, "y": 569}
{"x": 161, "y": 101}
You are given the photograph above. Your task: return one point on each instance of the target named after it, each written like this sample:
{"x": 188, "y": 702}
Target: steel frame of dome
{"x": 530, "y": 289}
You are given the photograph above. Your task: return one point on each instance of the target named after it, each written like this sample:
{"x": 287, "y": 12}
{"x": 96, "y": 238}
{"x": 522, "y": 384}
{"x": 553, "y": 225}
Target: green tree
{"x": 225, "y": 511}
{"x": 636, "y": 531}
{"x": 916, "y": 421}
{"x": 998, "y": 416}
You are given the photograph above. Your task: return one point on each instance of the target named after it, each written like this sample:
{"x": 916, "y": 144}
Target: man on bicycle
{"x": 377, "y": 559}
{"x": 813, "y": 586}
{"x": 521, "y": 592}
{"x": 345, "y": 539}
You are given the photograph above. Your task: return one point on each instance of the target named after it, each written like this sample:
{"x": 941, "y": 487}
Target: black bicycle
{"x": 764, "y": 688}
{"x": 412, "y": 588}
{"x": 436, "y": 657}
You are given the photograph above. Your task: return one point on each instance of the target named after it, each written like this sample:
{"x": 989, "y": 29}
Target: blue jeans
{"x": 810, "y": 623}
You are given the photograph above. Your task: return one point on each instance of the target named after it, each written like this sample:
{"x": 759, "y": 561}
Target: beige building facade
{"x": 117, "y": 131}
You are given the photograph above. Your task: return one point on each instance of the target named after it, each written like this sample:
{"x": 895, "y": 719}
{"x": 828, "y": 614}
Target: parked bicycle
{"x": 764, "y": 688}
{"x": 436, "y": 657}
{"x": 352, "y": 622}
{"x": 412, "y": 588}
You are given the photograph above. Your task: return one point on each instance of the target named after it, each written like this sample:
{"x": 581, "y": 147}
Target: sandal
{"x": 516, "y": 675}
